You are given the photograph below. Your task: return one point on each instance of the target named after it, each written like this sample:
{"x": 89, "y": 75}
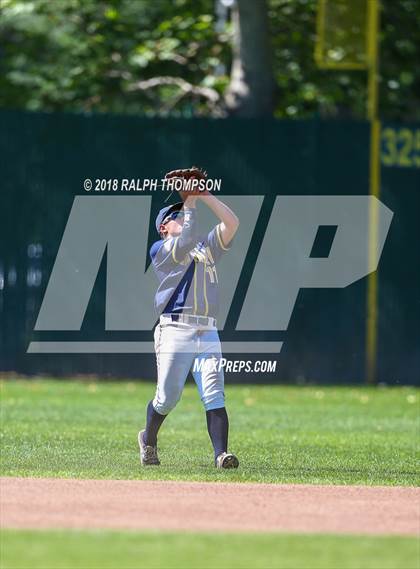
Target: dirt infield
{"x": 119, "y": 504}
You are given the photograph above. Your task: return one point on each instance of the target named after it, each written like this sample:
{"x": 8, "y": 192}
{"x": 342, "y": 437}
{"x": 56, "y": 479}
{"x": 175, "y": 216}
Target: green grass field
{"x": 126, "y": 550}
{"x": 334, "y": 435}
{"x": 88, "y": 429}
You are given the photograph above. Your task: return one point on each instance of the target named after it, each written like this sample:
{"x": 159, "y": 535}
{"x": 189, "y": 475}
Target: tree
{"x": 169, "y": 58}
{"x": 251, "y": 89}
{"x": 108, "y": 56}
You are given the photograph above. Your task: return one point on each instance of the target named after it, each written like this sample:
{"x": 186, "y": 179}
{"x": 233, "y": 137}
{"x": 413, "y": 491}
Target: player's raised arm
{"x": 229, "y": 222}
{"x": 187, "y": 239}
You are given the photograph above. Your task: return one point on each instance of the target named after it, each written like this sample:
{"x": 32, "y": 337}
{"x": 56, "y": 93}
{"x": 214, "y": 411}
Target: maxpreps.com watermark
{"x": 234, "y": 366}
{"x": 152, "y": 184}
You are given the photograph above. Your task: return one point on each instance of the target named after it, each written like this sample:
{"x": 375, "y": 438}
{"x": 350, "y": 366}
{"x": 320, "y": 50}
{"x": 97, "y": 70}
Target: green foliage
{"x": 305, "y": 90}
{"x": 126, "y": 550}
{"x": 400, "y": 56}
{"x": 86, "y": 55}
{"x": 92, "y": 55}
{"x": 281, "y": 434}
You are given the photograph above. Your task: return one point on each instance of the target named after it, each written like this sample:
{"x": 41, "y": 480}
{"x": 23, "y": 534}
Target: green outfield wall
{"x": 44, "y": 159}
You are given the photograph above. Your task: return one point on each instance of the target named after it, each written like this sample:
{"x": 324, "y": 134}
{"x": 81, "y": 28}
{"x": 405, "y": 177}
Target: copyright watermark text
{"x": 151, "y": 184}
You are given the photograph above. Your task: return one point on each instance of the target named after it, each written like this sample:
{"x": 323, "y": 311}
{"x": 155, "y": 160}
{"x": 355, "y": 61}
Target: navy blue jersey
{"x": 186, "y": 270}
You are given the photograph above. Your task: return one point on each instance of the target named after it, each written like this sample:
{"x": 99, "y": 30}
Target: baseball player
{"x": 187, "y": 301}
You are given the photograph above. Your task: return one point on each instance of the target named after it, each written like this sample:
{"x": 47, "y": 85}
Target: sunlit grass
{"x": 88, "y": 429}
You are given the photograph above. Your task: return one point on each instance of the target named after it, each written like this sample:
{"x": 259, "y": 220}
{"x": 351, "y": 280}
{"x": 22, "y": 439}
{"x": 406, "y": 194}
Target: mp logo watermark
{"x": 118, "y": 227}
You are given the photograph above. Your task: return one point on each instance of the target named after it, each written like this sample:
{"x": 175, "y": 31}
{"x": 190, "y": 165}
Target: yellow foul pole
{"x": 374, "y": 184}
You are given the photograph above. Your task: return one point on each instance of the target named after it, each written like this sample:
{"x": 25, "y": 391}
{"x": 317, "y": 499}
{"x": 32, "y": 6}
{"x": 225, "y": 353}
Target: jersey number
{"x": 212, "y": 274}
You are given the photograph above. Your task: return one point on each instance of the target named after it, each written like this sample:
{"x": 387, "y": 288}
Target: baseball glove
{"x": 186, "y": 174}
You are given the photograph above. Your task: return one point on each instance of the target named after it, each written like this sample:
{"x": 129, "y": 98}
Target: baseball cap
{"x": 164, "y": 212}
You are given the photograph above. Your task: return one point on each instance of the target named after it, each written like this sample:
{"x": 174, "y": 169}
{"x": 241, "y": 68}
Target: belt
{"x": 206, "y": 321}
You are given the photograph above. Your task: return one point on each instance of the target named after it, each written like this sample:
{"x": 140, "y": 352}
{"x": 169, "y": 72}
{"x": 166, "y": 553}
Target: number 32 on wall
{"x": 401, "y": 147}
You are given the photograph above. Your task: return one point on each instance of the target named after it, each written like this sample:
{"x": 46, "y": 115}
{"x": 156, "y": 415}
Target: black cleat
{"x": 227, "y": 460}
{"x": 148, "y": 454}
